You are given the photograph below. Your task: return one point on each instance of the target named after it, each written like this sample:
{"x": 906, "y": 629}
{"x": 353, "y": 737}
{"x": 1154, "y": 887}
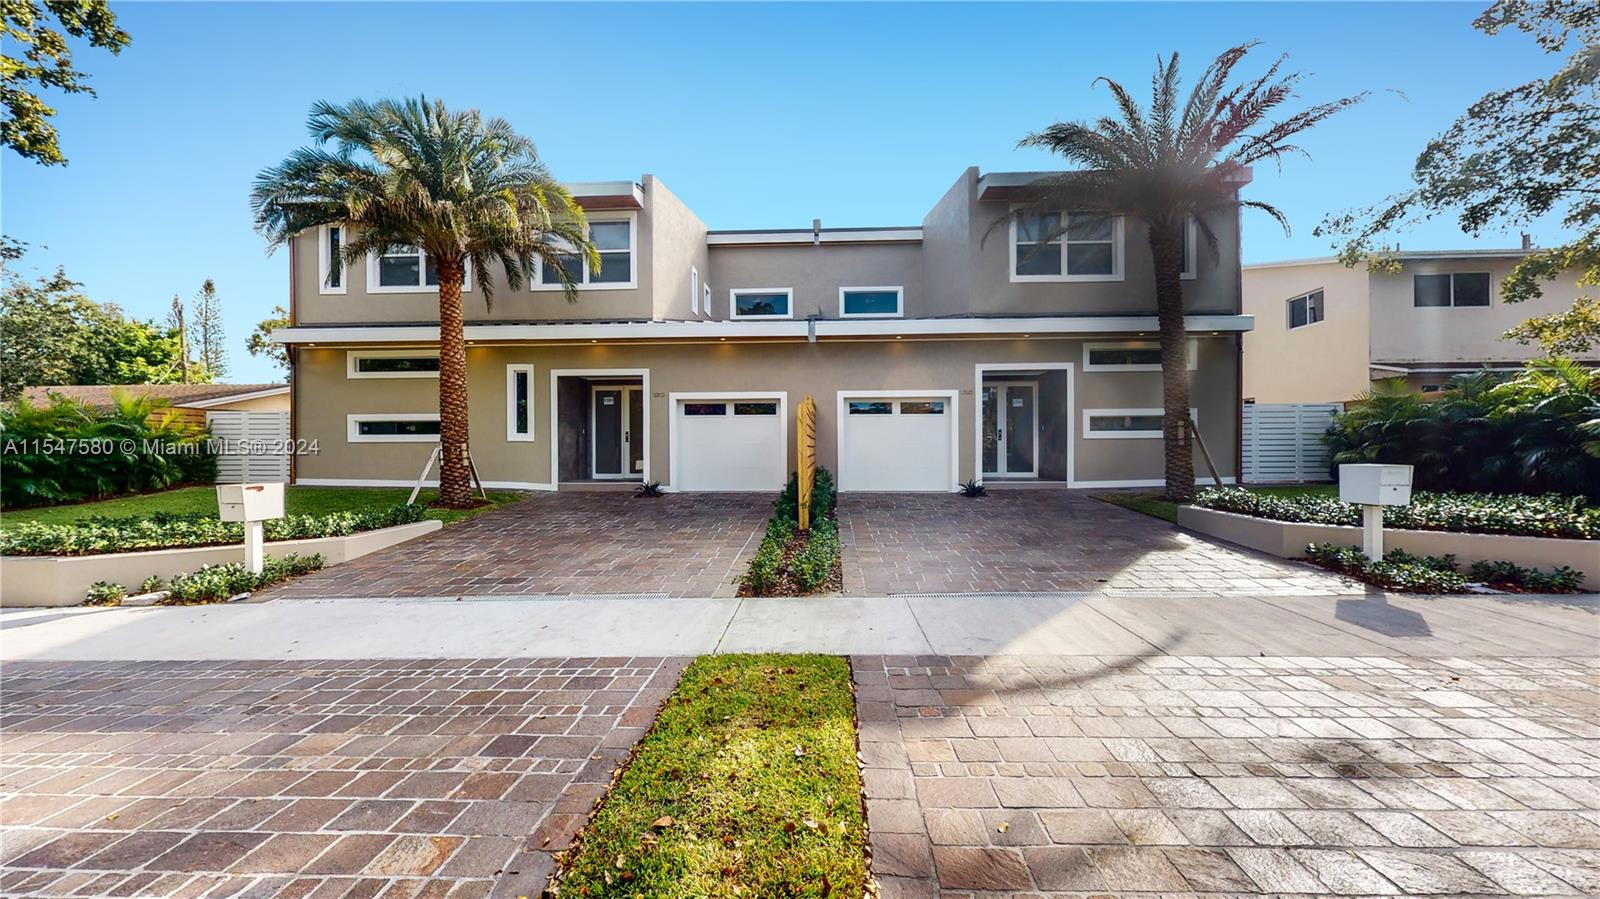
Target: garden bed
{"x": 97, "y": 536}
{"x": 1552, "y": 515}
{"x": 792, "y": 562}
{"x": 747, "y": 784}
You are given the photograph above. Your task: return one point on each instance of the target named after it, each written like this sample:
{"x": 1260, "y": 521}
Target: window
{"x": 406, "y": 269}
{"x": 1431, "y": 388}
{"x": 705, "y": 298}
{"x": 1305, "y": 310}
{"x": 705, "y": 408}
{"x": 613, "y": 238}
{"x": 922, "y": 407}
{"x": 873, "y": 407}
{"x": 399, "y": 427}
{"x": 519, "y": 403}
{"x": 694, "y": 290}
{"x": 1187, "y": 248}
{"x": 870, "y": 302}
{"x": 391, "y": 364}
{"x": 1141, "y": 424}
{"x": 1451, "y": 289}
{"x": 1087, "y": 246}
{"x": 1138, "y": 355}
{"x": 764, "y": 302}
{"x": 330, "y": 261}
{"x": 755, "y": 408}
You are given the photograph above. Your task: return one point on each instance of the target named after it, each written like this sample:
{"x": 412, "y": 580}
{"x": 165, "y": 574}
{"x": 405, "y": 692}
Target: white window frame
{"x": 899, "y": 302}
{"x": 352, "y": 369}
{"x": 583, "y": 283}
{"x": 705, "y": 299}
{"x": 1193, "y": 354}
{"x": 1452, "y": 276}
{"x": 422, "y": 272}
{"x": 694, "y": 290}
{"x": 735, "y": 293}
{"x": 1090, "y": 434}
{"x": 353, "y": 434}
{"x": 325, "y": 261}
{"x": 1322, "y": 309}
{"x": 1117, "y": 269}
{"x": 512, "y": 434}
{"x": 1191, "y": 268}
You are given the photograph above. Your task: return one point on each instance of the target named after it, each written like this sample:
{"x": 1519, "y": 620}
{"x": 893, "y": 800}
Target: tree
{"x": 175, "y": 320}
{"x": 1514, "y": 156}
{"x": 208, "y": 328}
{"x": 465, "y": 189}
{"x": 46, "y": 62}
{"x": 1182, "y": 158}
{"x": 260, "y": 341}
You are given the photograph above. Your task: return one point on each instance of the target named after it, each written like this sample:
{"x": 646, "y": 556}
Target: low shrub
{"x": 823, "y": 496}
{"x": 1511, "y": 576}
{"x": 167, "y": 531}
{"x": 1551, "y": 515}
{"x": 766, "y": 569}
{"x": 1397, "y": 570}
{"x": 812, "y": 567}
{"x": 216, "y": 583}
{"x": 973, "y": 489}
{"x": 104, "y": 593}
{"x": 150, "y": 584}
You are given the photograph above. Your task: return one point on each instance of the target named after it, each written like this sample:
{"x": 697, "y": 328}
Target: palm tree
{"x": 1180, "y": 159}
{"x": 465, "y": 189}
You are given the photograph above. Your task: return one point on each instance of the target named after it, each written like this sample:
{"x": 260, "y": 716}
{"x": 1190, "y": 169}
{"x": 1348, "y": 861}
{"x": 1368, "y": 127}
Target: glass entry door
{"x": 1011, "y": 430}
{"x": 617, "y": 432}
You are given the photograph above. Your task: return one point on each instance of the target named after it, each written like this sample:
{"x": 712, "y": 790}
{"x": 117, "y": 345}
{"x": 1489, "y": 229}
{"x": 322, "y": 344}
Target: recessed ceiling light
{"x": 898, "y": 337}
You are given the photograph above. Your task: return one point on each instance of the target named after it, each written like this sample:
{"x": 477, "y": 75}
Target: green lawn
{"x": 297, "y": 501}
{"x": 1151, "y": 503}
{"x": 746, "y": 786}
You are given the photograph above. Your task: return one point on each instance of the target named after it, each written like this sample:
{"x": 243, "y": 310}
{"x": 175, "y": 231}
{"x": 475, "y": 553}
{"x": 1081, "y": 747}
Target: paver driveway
{"x": 1041, "y": 541}
{"x": 1178, "y": 775}
{"x": 580, "y": 542}
{"x": 417, "y": 779}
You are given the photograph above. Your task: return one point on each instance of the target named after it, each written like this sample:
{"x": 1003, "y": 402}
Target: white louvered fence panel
{"x": 1283, "y": 441}
{"x": 242, "y": 431}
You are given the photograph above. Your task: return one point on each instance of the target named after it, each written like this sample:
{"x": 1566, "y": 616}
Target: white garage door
{"x": 730, "y": 445}
{"x": 890, "y": 443}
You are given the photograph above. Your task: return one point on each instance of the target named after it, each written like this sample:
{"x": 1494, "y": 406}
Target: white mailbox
{"x": 1375, "y": 485}
{"x": 249, "y": 502}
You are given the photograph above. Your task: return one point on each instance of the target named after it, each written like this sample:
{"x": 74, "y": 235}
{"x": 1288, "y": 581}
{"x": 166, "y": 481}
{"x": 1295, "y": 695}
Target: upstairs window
{"x": 1186, "y": 248}
{"x": 694, "y": 290}
{"x": 1070, "y": 246}
{"x": 614, "y": 239}
{"x": 1451, "y": 289}
{"x": 1305, "y": 309}
{"x": 705, "y": 298}
{"x": 765, "y": 302}
{"x": 870, "y": 302}
{"x": 330, "y": 268}
{"x": 406, "y": 269}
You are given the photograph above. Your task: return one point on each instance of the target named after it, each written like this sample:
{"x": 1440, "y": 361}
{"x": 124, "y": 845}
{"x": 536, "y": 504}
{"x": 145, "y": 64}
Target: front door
{"x": 618, "y": 429}
{"x": 1010, "y": 430}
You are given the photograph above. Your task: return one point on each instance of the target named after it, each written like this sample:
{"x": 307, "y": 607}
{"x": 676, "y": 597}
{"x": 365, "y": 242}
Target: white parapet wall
{"x": 1288, "y": 539}
{"x": 62, "y": 580}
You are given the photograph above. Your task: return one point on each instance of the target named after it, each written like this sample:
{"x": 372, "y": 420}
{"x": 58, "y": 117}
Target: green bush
{"x": 766, "y": 569}
{"x": 1509, "y": 575}
{"x": 1469, "y": 513}
{"x": 1535, "y": 432}
{"x": 217, "y": 583}
{"x": 69, "y": 451}
{"x": 1397, "y": 570}
{"x": 104, "y": 593}
{"x": 150, "y": 584}
{"x": 168, "y": 531}
{"x": 813, "y": 565}
{"x": 823, "y": 494}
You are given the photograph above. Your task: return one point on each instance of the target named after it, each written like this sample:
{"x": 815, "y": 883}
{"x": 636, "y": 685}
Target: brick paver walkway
{"x": 579, "y": 542}
{"x": 415, "y": 779}
{"x": 1044, "y": 541}
{"x": 1180, "y": 775}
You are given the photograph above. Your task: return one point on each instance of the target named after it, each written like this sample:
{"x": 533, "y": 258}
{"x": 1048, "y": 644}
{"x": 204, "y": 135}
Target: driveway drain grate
{"x": 997, "y": 595}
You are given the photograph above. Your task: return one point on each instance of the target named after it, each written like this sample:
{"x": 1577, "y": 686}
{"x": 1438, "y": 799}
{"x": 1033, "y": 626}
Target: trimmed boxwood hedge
{"x": 94, "y": 536}
{"x": 1551, "y": 515}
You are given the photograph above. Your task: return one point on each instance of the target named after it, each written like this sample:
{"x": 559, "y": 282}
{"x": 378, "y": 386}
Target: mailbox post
{"x": 1373, "y": 487}
{"x": 251, "y": 504}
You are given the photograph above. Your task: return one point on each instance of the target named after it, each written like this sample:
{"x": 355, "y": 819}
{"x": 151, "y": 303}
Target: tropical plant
{"x": 650, "y": 490}
{"x": 467, "y": 190}
{"x": 1180, "y": 159}
{"x": 974, "y": 488}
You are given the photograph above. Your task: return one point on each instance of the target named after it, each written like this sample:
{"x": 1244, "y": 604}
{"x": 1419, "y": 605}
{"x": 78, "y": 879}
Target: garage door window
{"x": 871, "y": 408}
{"x": 705, "y": 408}
{"x": 922, "y": 407}
{"x": 755, "y": 408}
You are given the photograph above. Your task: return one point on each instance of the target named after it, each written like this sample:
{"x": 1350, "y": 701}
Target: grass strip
{"x": 747, "y": 785}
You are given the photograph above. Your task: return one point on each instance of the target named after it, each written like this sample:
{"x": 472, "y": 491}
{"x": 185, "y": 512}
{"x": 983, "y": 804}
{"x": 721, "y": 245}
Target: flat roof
{"x": 1407, "y": 256}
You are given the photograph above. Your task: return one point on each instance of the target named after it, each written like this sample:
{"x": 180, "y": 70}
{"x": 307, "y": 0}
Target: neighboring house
{"x": 191, "y": 401}
{"x": 1324, "y": 332}
{"x": 935, "y": 353}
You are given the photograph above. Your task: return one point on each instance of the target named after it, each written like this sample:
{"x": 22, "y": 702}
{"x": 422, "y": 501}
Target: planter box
{"x": 62, "y": 580}
{"x": 1288, "y": 539}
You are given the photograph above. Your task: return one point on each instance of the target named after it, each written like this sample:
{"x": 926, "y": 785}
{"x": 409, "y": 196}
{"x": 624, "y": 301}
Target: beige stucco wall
{"x": 816, "y": 272}
{"x": 677, "y": 244}
{"x": 796, "y": 368}
{"x": 1321, "y": 363}
{"x": 278, "y": 403}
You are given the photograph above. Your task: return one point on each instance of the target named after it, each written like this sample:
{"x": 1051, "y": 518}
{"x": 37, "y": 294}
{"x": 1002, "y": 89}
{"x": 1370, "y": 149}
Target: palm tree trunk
{"x": 1166, "y": 250}
{"x": 455, "y": 478}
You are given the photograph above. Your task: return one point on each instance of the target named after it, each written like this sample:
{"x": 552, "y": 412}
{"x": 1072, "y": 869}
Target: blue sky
{"x": 758, "y": 116}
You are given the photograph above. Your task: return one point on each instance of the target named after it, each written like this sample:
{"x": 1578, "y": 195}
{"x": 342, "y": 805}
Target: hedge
{"x": 216, "y": 583}
{"x": 1468, "y": 513}
{"x": 168, "y": 531}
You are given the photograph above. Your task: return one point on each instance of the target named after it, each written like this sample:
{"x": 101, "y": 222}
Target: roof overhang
{"x": 607, "y": 194}
{"x": 787, "y": 329}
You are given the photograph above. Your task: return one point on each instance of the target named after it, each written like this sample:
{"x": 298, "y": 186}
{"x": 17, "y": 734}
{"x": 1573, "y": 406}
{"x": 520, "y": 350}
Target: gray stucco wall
{"x": 816, "y": 273}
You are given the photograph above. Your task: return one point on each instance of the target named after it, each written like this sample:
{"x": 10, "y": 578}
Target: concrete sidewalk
{"x": 1040, "y": 624}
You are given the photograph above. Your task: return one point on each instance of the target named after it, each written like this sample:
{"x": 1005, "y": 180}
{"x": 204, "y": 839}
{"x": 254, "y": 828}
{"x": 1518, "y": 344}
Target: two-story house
{"x": 935, "y": 354}
{"x": 1324, "y": 332}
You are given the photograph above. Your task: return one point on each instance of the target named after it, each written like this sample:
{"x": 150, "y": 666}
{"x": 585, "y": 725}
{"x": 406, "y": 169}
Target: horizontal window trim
{"x": 537, "y": 285}
{"x": 735, "y": 293}
{"x": 899, "y": 302}
{"x": 353, "y": 435}
{"x": 1191, "y": 343}
{"x": 1118, "y": 271}
{"x": 374, "y": 287}
{"x": 1452, "y": 275}
{"x": 512, "y": 434}
{"x": 353, "y": 357}
{"x": 1091, "y": 434}
{"x": 325, "y": 262}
